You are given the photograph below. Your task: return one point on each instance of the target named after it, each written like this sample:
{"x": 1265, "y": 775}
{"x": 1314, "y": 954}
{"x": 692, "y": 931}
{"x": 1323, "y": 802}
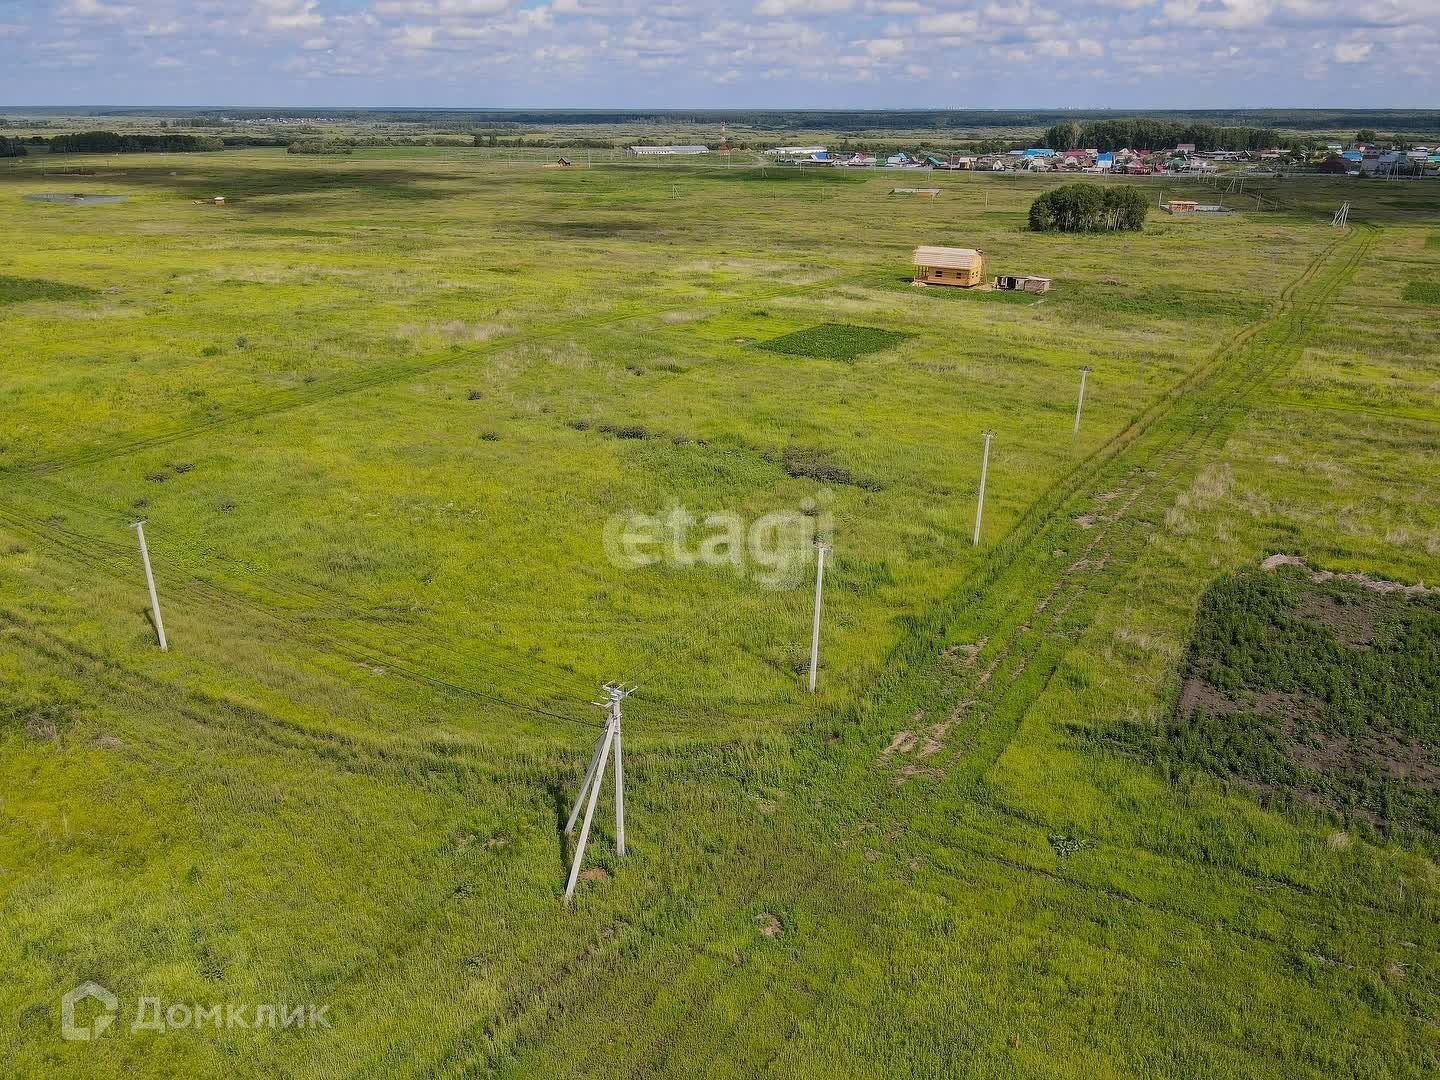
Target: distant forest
{"x": 110, "y": 142}
{"x": 1151, "y": 133}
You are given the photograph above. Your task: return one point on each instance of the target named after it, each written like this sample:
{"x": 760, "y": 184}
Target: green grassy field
{"x": 378, "y": 412}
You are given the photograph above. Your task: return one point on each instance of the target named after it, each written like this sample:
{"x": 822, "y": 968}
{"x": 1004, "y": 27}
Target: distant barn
{"x": 948, "y": 266}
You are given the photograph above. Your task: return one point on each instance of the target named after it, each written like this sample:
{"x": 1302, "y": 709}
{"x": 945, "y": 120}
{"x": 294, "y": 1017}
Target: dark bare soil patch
{"x": 1312, "y": 688}
{"x": 603, "y": 230}
{"x": 811, "y": 463}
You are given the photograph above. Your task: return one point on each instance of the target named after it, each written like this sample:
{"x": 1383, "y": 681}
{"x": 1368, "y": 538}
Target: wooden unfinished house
{"x": 949, "y": 266}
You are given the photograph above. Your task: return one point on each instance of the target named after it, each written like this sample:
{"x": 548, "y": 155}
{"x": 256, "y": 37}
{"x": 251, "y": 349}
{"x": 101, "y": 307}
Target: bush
{"x": 1089, "y": 208}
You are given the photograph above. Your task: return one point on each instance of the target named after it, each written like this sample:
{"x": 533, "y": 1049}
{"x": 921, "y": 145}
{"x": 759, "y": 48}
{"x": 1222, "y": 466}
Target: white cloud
{"x": 416, "y": 37}
{"x": 441, "y": 8}
{"x": 96, "y": 9}
{"x": 802, "y": 8}
{"x": 952, "y": 22}
{"x": 897, "y": 7}
{"x": 1352, "y": 52}
{"x": 883, "y": 48}
{"x": 565, "y": 54}
{"x": 1217, "y": 14}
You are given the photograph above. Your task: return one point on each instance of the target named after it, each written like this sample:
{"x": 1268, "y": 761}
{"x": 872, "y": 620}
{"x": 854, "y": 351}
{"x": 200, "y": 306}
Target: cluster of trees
{"x": 12, "y": 148}
{"x": 492, "y": 139}
{"x": 402, "y": 140}
{"x": 1089, "y": 208}
{"x": 111, "y": 142}
{"x": 318, "y": 146}
{"x": 1151, "y": 134}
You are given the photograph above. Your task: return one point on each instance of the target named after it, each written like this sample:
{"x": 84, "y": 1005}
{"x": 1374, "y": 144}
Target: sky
{"x": 834, "y": 54}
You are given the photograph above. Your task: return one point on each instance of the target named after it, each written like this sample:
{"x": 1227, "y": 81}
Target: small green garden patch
{"x": 1423, "y": 292}
{"x": 834, "y": 341}
{"x": 15, "y": 290}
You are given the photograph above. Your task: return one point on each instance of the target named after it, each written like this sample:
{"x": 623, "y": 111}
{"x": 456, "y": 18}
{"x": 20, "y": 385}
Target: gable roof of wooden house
{"x": 947, "y": 258}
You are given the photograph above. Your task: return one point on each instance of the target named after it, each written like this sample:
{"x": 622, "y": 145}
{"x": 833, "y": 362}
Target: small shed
{"x": 219, "y": 200}
{"x": 948, "y": 266}
{"x": 1023, "y": 282}
{"x": 1181, "y": 206}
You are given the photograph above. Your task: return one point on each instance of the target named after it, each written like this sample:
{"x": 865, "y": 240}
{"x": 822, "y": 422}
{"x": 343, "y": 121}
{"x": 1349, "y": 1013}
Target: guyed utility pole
{"x": 1080, "y": 404}
{"x": 984, "y": 470}
{"x": 139, "y": 528}
{"x": 594, "y": 778}
{"x": 820, "y": 552}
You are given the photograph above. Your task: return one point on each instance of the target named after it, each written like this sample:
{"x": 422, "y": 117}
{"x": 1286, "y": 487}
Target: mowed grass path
{"x": 274, "y": 813}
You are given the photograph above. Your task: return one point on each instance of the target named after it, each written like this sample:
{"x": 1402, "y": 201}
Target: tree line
{"x": 319, "y": 146}
{"x": 12, "y": 147}
{"x": 1089, "y": 208}
{"x": 1151, "y": 134}
{"x": 111, "y": 142}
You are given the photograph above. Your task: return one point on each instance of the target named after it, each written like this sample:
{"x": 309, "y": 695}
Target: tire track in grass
{"x": 1258, "y": 375}
{"x": 1170, "y": 455}
{"x": 75, "y": 548}
{"x": 1171, "y": 470}
{"x": 350, "y": 751}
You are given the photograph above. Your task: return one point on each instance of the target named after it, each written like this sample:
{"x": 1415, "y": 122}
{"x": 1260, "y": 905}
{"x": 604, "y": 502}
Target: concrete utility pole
{"x": 139, "y": 528}
{"x": 984, "y": 470}
{"x": 820, "y": 551}
{"x": 594, "y": 780}
{"x": 1080, "y": 404}
{"x": 617, "y": 696}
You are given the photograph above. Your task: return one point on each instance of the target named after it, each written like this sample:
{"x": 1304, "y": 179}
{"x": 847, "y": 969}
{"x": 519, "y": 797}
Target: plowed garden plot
{"x": 1316, "y": 689}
